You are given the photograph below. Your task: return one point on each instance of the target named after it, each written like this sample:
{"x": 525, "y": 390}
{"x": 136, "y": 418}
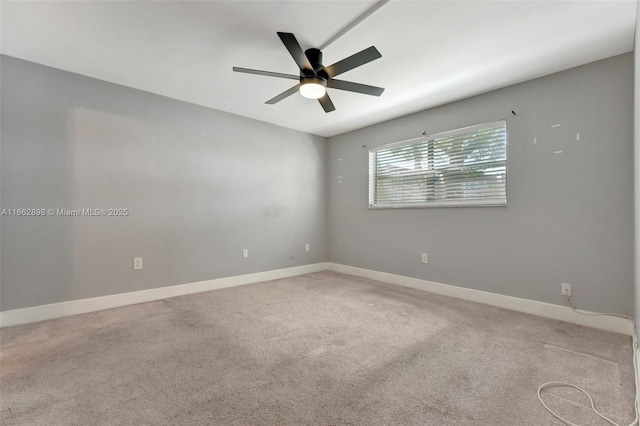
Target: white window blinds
{"x": 463, "y": 167}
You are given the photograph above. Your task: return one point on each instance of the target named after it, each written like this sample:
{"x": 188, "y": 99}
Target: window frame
{"x": 471, "y": 202}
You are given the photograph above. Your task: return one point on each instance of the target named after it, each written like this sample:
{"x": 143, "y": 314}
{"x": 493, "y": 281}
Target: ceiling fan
{"x": 315, "y": 78}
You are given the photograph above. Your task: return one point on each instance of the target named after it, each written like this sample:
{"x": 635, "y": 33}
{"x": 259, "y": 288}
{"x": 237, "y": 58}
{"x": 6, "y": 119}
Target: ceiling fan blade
{"x": 355, "y": 87}
{"x": 364, "y": 56}
{"x": 267, "y": 73}
{"x": 294, "y": 48}
{"x": 326, "y": 103}
{"x": 283, "y": 95}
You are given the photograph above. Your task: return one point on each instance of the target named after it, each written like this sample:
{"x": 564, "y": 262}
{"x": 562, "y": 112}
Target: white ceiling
{"x": 433, "y": 52}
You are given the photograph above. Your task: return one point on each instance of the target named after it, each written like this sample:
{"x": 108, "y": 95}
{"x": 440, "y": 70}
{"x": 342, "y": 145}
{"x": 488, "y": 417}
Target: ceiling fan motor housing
{"x": 318, "y": 75}
{"x": 315, "y": 58}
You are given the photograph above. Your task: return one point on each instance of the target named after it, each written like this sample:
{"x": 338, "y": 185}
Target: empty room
{"x": 373, "y": 212}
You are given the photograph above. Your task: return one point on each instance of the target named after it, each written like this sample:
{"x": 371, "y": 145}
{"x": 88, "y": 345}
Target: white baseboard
{"x": 547, "y": 310}
{"x": 74, "y": 307}
{"x": 57, "y": 310}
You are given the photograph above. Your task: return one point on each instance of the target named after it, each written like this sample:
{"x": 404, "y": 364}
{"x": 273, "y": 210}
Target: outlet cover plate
{"x": 137, "y": 263}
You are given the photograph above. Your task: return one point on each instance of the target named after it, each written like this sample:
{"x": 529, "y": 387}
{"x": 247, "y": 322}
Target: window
{"x": 463, "y": 167}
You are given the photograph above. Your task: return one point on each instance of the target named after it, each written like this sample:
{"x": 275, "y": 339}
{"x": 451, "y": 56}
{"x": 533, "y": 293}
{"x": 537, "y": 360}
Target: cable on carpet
{"x": 636, "y": 402}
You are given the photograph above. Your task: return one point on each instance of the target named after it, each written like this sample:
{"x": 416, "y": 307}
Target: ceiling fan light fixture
{"x": 313, "y": 87}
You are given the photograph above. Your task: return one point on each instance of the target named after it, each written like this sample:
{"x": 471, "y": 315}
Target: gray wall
{"x": 637, "y": 170}
{"x": 569, "y": 216}
{"x": 200, "y": 186}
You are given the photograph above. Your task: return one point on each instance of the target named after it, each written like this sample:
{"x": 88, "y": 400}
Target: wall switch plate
{"x": 566, "y": 289}
{"x": 137, "y": 263}
{"x": 245, "y": 253}
{"x": 425, "y": 258}
{"x": 307, "y": 248}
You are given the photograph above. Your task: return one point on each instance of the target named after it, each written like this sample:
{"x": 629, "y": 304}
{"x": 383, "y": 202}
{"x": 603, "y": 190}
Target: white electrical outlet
{"x": 137, "y": 263}
{"x": 245, "y": 253}
{"x": 307, "y": 248}
{"x": 566, "y": 289}
{"x": 425, "y": 258}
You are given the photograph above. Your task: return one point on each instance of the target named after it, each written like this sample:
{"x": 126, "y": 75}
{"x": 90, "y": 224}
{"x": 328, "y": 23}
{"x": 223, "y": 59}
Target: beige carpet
{"x": 320, "y": 349}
